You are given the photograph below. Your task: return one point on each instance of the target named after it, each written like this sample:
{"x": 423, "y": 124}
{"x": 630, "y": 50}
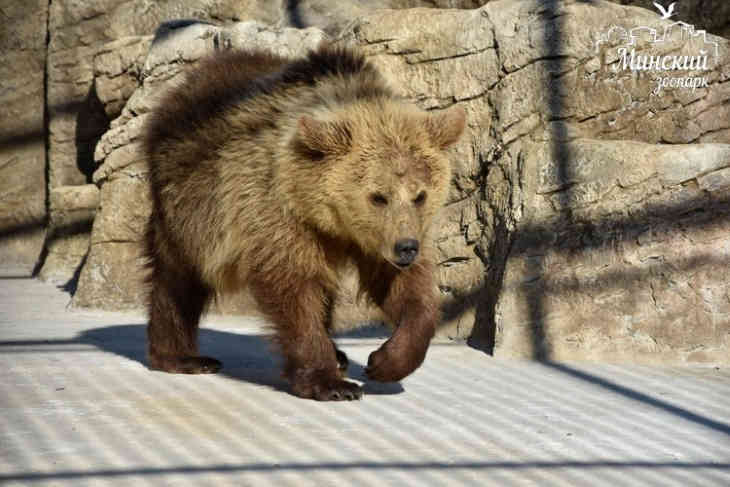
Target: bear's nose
{"x": 406, "y": 250}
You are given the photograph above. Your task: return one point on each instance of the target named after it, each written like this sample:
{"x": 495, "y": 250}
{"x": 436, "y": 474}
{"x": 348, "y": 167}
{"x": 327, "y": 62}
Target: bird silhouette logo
{"x": 666, "y": 12}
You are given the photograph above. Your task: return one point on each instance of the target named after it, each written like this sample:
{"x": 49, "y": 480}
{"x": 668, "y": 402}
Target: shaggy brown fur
{"x": 274, "y": 173}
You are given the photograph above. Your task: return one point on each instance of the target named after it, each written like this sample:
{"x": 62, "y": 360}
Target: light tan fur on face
{"x": 382, "y": 175}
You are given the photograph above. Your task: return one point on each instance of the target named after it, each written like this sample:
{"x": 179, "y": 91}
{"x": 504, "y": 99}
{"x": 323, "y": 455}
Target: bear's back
{"x": 228, "y": 79}
{"x": 212, "y": 86}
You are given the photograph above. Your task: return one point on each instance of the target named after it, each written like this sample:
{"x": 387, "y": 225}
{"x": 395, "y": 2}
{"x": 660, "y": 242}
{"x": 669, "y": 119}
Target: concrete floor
{"x": 79, "y": 407}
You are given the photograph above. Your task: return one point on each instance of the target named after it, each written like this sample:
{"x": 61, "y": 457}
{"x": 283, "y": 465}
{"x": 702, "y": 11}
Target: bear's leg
{"x": 409, "y": 299}
{"x": 177, "y": 300}
{"x": 299, "y": 313}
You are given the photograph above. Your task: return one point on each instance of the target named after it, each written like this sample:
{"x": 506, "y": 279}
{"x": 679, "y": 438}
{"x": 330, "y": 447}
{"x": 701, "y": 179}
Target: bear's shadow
{"x": 250, "y": 358}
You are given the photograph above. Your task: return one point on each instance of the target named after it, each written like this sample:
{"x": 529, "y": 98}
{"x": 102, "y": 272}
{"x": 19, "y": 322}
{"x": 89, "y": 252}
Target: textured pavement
{"x": 79, "y": 407}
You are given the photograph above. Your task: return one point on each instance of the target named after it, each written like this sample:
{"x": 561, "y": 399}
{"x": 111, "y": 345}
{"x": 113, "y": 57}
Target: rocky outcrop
{"x": 73, "y": 209}
{"x": 77, "y": 31}
{"x": 22, "y": 137}
{"x": 603, "y": 261}
{"x": 588, "y": 212}
{"x": 624, "y": 259}
{"x": 117, "y": 71}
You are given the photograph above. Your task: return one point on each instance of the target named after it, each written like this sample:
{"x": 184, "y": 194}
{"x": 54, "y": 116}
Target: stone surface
{"x": 540, "y": 45}
{"x": 22, "y": 139}
{"x": 72, "y": 213}
{"x": 117, "y": 71}
{"x": 574, "y": 285}
{"x": 72, "y": 205}
{"x": 79, "y": 31}
{"x": 623, "y": 261}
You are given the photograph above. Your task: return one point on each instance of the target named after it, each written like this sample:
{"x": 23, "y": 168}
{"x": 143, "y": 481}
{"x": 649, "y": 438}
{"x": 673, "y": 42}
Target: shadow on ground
{"x": 621, "y": 467}
{"x": 249, "y": 358}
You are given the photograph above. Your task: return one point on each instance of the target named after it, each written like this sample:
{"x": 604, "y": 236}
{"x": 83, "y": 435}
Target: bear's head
{"x": 375, "y": 174}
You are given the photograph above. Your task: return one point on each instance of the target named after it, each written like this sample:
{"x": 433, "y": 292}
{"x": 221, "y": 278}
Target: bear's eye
{"x": 420, "y": 199}
{"x": 378, "y": 199}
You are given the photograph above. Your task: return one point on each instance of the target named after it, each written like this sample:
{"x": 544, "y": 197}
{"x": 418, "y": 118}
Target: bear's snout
{"x": 406, "y": 250}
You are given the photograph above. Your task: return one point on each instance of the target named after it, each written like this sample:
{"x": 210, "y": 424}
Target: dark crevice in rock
{"x": 72, "y": 284}
{"x": 294, "y": 14}
{"x": 46, "y": 143}
{"x": 91, "y": 123}
{"x": 493, "y": 255}
{"x": 484, "y": 333}
{"x": 454, "y": 260}
{"x": 556, "y": 64}
{"x": 443, "y": 58}
{"x": 114, "y": 241}
{"x": 477, "y": 96}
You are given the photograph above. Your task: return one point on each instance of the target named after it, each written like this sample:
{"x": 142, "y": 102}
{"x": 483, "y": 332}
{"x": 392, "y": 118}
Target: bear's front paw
{"x": 393, "y": 361}
{"x": 327, "y": 389}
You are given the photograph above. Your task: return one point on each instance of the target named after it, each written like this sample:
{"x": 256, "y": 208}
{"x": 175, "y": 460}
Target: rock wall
{"x": 582, "y": 235}
{"x": 22, "y": 136}
{"x": 626, "y": 259}
{"x": 614, "y": 242}
{"x": 77, "y": 30}
{"x": 588, "y": 212}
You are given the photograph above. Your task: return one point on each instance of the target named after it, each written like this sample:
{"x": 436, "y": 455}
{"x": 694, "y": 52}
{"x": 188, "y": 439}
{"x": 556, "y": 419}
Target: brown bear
{"x": 275, "y": 173}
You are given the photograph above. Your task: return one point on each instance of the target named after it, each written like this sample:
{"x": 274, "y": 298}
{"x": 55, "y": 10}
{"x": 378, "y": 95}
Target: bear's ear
{"x": 316, "y": 139}
{"x": 446, "y": 127}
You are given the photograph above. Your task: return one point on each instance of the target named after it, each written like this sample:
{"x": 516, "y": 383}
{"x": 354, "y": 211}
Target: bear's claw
{"x": 324, "y": 389}
{"x": 346, "y": 391}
